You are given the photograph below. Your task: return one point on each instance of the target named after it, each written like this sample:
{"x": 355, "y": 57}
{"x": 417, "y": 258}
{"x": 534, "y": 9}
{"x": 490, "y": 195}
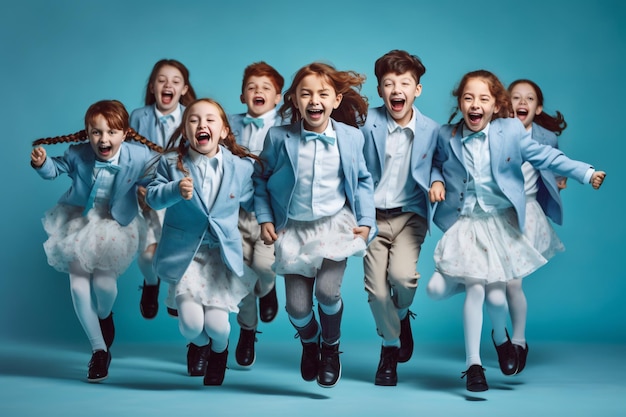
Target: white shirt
{"x": 165, "y": 132}
{"x": 253, "y": 137}
{"x": 319, "y": 186}
{"x": 211, "y": 173}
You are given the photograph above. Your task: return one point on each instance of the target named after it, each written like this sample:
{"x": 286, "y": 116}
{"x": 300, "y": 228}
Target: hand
{"x": 38, "y": 157}
{"x": 186, "y": 188}
{"x": 562, "y": 183}
{"x": 268, "y": 233}
{"x": 437, "y": 192}
{"x": 141, "y": 198}
{"x": 361, "y": 231}
{"x": 597, "y": 178}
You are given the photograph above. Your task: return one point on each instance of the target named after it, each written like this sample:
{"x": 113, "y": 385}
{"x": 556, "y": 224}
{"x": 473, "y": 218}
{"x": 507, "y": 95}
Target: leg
{"x": 518, "y": 309}
{"x": 149, "y": 304}
{"x": 217, "y": 327}
{"x": 105, "y": 292}
{"x": 191, "y": 326}
{"x": 497, "y": 309}
{"x": 472, "y": 325}
{"x": 266, "y": 285}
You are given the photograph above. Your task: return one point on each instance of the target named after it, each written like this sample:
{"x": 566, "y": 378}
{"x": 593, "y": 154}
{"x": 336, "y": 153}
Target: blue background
{"x": 59, "y": 57}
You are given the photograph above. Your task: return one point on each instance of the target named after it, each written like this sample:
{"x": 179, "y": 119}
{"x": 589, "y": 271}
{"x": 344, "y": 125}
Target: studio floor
{"x": 150, "y": 380}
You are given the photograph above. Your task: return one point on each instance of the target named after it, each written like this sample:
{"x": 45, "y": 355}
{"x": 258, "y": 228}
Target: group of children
{"x": 217, "y": 205}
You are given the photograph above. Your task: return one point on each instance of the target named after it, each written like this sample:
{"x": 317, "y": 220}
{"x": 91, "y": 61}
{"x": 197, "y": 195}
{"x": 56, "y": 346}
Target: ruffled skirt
{"x": 540, "y": 232}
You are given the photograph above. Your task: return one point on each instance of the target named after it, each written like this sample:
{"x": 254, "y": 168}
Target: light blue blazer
{"x": 509, "y": 146}
{"x": 188, "y": 222}
{"x": 78, "y": 162}
{"x": 274, "y": 186}
{"x": 548, "y": 194}
{"x": 422, "y": 150}
{"x": 144, "y": 121}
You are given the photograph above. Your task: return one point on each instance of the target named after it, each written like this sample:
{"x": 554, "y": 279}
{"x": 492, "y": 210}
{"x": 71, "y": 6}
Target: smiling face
{"x": 399, "y": 91}
{"x": 315, "y": 99}
{"x": 104, "y": 140}
{"x": 168, "y": 87}
{"x": 260, "y": 95}
{"x": 204, "y": 128}
{"x": 477, "y": 104}
{"x": 525, "y": 103}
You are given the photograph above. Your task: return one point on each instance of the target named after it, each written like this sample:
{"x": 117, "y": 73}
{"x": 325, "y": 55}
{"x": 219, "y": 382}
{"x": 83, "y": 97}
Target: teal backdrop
{"x": 58, "y": 57}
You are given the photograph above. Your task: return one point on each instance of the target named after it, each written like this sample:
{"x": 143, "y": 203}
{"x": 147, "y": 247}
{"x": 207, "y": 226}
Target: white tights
{"x": 200, "y": 324}
{"x": 518, "y": 308}
{"x": 93, "y": 296}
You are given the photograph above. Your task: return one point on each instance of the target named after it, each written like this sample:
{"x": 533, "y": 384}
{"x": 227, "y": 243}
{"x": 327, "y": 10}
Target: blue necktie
{"x": 312, "y": 136}
{"x": 478, "y": 135}
{"x": 113, "y": 169}
{"x": 165, "y": 120}
{"x": 257, "y": 121}
{"x": 164, "y": 123}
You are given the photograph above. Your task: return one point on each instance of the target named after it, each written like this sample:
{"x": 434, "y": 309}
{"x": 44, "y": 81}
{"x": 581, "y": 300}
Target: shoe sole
{"x": 332, "y": 385}
{"x": 96, "y": 380}
{"x": 249, "y": 365}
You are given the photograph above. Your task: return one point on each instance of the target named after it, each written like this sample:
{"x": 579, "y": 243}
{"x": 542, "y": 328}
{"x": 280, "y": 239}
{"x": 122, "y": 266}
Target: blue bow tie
{"x": 312, "y": 136}
{"x": 257, "y": 121}
{"x": 478, "y": 135}
{"x": 108, "y": 165}
{"x": 165, "y": 120}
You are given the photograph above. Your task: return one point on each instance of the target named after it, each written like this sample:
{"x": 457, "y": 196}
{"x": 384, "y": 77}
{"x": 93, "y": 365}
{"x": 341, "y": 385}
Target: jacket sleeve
{"x": 163, "y": 191}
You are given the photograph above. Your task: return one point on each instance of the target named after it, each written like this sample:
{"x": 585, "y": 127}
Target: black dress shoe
{"x": 149, "y": 304}
{"x": 172, "y": 312}
{"x": 476, "y": 381}
{"x": 268, "y": 306}
{"x": 386, "y": 374}
{"x": 216, "y": 368}
{"x": 99, "y": 366}
{"x": 197, "y": 357}
{"x": 406, "y": 338}
{"x": 107, "y": 327}
{"x": 245, "y": 354}
{"x": 521, "y": 353}
{"x": 310, "y": 360}
{"x": 329, "y": 370}
{"x": 507, "y": 357}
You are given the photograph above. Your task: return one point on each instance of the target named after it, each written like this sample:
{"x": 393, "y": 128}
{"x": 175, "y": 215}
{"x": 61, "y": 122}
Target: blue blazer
{"x": 78, "y": 162}
{"x": 509, "y": 146}
{"x": 422, "y": 150}
{"x": 548, "y": 194}
{"x": 274, "y": 186}
{"x": 187, "y": 222}
{"x": 145, "y": 122}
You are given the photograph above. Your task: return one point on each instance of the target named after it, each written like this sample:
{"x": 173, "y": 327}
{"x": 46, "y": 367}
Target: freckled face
{"x": 104, "y": 140}
{"x": 316, "y": 99}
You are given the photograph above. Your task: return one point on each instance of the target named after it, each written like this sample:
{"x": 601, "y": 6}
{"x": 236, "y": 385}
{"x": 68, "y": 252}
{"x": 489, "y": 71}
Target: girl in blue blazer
{"x": 94, "y": 230}
{"x": 201, "y": 183}
{"x": 314, "y": 201}
{"x": 478, "y": 185}
{"x": 167, "y": 93}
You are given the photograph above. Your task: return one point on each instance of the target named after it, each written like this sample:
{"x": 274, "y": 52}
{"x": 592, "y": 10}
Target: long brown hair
{"x": 496, "y": 88}
{"x": 185, "y": 99}
{"x": 554, "y": 123}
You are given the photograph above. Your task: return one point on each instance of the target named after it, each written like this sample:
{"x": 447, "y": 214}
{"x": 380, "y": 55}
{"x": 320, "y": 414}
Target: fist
{"x": 38, "y": 157}
{"x": 597, "y": 179}
{"x": 186, "y": 188}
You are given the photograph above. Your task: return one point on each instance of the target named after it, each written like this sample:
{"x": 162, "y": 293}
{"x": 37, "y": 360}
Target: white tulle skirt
{"x": 154, "y": 222}
{"x": 540, "y": 232}
{"x": 96, "y": 240}
{"x": 303, "y": 245}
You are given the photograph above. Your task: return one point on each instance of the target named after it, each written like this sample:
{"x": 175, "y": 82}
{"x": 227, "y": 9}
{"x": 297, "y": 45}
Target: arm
{"x": 165, "y": 191}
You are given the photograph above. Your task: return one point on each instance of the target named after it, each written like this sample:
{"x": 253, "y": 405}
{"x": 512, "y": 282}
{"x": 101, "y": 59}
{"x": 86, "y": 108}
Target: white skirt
{"x": 488, "y": 247}
{"x": 209, "y": 281}
{"x": 96, "y": 240}
{"x": 302, "y": 246}
{"x": 540, "y": 232}
{"x": 154, "y": 221}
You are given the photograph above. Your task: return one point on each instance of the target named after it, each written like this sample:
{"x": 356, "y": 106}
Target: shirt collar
{"x": 267, "y": 117}
{"x": 176, "y": 114}
{"x": 199, "y": 159}
{"x": 392, "y": 125}
{"x": 467, "y": 131}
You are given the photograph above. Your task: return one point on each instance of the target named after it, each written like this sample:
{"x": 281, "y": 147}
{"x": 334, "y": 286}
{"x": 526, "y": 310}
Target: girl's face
{"x": 399, "y": 91}
{"x": 204, "y": 128}
{"x": 104, "y": 140}
{"x": 260, "y": 95}
{"x": 525, "y": 103}
{"x": 477, "y": 104}
{"x": 315, "y": 99}
{"x": 168, "y": 87}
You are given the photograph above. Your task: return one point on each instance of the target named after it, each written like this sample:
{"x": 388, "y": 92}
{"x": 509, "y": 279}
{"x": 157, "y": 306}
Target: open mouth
{"x": 104, "y": 150}
{"x": 521, "y": 112}
{"x": 397, "y": 104}
{"x": 167, "y": 97}
{"x": 475, "y": 117}
{"x": 315, "y": 113}
{"x": 258, "y": 101}
{"x": 203, "y": 137}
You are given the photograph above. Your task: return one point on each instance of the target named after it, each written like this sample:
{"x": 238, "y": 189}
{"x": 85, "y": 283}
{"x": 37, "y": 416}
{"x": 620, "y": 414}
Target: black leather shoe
{"x": 149, "y": 304}
{"x": 329, "y": 370}
{"x": 172, "y": 312}
{"x": 476, "y": 381}
{"x": 386, "y": 374}
{"x": 197, "y": 359}
{"x": 107, "y": 327}
{"x": 268, "y": 306}
{"x": 99, "y": 366}
{"x": 521, "y": 354}
{"x": 310, "y": 360}
{"x": 216, "y": 368}
{"x": 406, "y": 338}
{"x": 245, "y": 354}
{"x": 507, "y": 357}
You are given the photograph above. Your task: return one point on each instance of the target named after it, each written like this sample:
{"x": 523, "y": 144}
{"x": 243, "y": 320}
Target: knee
{"x": 190, "y": 328}
{"x": 327, "y": 298}
{"x": 496, "y": 297}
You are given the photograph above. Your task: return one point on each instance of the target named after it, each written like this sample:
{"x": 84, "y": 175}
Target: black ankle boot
{"x": 310, "y": 360}
{"x": 329, "y": 370}
{"x": 197, "y": 357}
{"x": 149, "y": 304}
{"x": 98, "y": 369}
{"x": 406, "y": 338}
{"x": 107, "y": 327}
{"x": 507, "y": 357}
{"x": 244, "y": 353}
{"x": 268, "y": 306}
{"x": 386, "y": 375}
{"x": 216, "y": 368}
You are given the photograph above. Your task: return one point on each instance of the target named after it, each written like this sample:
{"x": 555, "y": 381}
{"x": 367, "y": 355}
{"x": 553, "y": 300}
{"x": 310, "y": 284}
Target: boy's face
{"x": 260, "y": 95}
{"x": 168, "y": 87}
{"x": 398, "y": 92}
{"x": 477, "y": 104}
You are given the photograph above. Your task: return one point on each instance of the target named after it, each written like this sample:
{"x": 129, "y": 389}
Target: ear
{"x": 224, "y": 132}
{"x": 184, "y": 91}
{"x": 338, "y": 100}
{"x": 277, "y": 99}
{"x": 242, "y": 99}
{"x": 380, "y": 91}
{"x": 539, "y": 110}
{"x": 418, "y": 90}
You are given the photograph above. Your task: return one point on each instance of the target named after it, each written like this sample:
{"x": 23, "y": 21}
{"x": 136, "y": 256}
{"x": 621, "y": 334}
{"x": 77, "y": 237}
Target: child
{"x": 399, "y": 145}
{"x": 167, "y": 93}
{"x": 542, "y": 199}
{"x": 202, "y": 183}
{"x": 94, "y": 231}
{"x": 482, "y": 211}
{"x": 260, "y": 92}
{"x": 314, "y": 200}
